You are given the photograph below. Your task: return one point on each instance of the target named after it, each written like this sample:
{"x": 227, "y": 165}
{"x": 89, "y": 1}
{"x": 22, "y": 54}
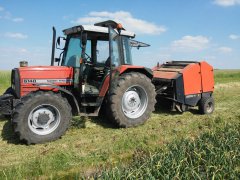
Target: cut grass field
{"x": 170, "y": 145}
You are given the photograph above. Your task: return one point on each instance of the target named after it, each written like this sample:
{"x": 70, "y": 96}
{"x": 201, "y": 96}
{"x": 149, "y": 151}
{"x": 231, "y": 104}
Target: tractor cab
{"x": 96, "y": 53}
{"x": 93, "y": 51}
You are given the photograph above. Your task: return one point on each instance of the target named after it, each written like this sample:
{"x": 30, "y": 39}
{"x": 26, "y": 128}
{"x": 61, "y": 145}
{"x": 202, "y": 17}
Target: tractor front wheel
{"x": 41, "y": 117}
{"x": 132, "y": 99}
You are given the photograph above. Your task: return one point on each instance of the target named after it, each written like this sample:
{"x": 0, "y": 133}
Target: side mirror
{"x": 59, "y": 40}
{"x": 57, "y": 59}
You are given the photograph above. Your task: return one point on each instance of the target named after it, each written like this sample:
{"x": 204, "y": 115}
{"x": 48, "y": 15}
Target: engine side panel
{"x": 31, "y": 76}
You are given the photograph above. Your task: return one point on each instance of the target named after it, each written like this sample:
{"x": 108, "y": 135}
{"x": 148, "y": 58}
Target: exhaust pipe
{"x": 53, "y": 46}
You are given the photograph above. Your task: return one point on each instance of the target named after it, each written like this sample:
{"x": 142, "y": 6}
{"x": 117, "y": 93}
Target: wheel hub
{"x": 44, "y": 119}
{"x": 131, "y": 100}
{"x": 134, "y": 102}
{"x": 209, "y": 107}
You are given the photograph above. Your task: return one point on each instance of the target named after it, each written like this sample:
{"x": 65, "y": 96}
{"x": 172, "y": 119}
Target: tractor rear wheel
{"x": 132, "y": 99}
{"x": 206, "y": 105}
{"x": 41, "y": 117}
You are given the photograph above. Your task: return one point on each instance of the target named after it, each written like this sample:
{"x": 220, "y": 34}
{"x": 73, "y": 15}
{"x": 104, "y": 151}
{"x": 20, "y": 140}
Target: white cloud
{"x": 138, "y": 26}
{"x": 234, "y": 36}
{"x": 227, "y": 3}
{"x": 9, "y": 51}
{"x": 17, "y": 19}
{"x": 67, "y": 17}
{"x": 34, "y": 55}
{"x": 22, "y": 50}
{"x": 15, "y": 35}
{"x": 191, "y": 43}
{"x": 225, "y": 49}
{"x": 8, "y": 16}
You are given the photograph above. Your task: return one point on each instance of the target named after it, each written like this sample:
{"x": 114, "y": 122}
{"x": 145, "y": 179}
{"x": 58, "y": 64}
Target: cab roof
{"x": 97, "y": 28}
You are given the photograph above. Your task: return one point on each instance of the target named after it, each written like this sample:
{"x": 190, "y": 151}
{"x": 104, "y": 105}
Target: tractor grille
{"x": 15, "y": 80}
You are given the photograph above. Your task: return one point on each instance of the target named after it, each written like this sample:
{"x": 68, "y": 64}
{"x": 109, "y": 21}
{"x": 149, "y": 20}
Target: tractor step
{"x": 85, "y": 104}
{"x": 89, "y": 114}
{"x": 90, "y": 95}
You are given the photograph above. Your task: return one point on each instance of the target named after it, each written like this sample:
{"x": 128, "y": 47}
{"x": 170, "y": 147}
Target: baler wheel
{"x": 206, "y": 105}
{"x": 41, "y": 117}
{"x": 131, "y": 100}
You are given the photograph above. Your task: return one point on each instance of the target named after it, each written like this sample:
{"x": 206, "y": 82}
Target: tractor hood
{"x": 30, "y": 77}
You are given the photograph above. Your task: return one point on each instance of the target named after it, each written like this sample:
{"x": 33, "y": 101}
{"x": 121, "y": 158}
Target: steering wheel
{"x": 87, "y": 60}
{"x": 88, "y": 57}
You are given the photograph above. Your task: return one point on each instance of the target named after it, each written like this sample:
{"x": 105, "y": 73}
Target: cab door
{"x": 114, "y": 49}
{"x": 115, "y": 53}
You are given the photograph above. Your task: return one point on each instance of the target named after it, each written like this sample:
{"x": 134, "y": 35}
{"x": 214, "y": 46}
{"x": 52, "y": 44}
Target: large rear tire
{"x": 41, "y": 117}
{"x": 131, "y": 100}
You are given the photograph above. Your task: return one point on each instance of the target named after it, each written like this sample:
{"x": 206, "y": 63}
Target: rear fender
{"x": 122, "y": 70}
{"x": 141, "y": 69}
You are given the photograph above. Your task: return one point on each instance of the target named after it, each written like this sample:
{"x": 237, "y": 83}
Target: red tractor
{"x": 42, "y": 99}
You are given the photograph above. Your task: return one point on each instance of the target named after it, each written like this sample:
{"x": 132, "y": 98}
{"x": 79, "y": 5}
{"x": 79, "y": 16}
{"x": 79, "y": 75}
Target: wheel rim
{"x": 209, "y": 107}
{"x": 134, "y": 102}
{"x": 44, "y": 119}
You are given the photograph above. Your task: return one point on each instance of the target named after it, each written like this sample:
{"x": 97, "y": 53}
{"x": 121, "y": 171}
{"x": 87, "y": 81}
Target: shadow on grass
{"x": 77, "y": 122}
{"x": 195, "y": 111}
{"x": 81, "y": 122}
{"x": 3, "y": 118}
{"x": 9, "y": 135}
{"x": 104, "y": 121}
{"x": 166, "y": 109}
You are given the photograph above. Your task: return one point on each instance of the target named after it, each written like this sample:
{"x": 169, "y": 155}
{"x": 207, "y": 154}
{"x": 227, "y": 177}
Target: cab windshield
{"x": 73, "y": 53}
{"x": 127, "y": 50}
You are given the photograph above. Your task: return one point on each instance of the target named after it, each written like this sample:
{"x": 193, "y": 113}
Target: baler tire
{"x": 206, "y": 105}
{"x": 123, "y": 84}
{"x": 37, "y": 102}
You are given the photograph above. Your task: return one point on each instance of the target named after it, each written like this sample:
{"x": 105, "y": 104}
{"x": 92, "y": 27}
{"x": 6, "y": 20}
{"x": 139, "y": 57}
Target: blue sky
{"x": 176, "y": 30}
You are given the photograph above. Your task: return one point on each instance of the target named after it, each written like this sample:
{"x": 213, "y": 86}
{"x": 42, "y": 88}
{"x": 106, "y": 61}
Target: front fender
{"x": 70, "y": 97}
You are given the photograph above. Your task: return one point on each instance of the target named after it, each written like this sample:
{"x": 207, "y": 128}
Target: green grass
{"x": 215, "y": 154}
{"x": 5, "y": 79}
{"x": 224, "y": 76}
{"x": 94, "y": 147}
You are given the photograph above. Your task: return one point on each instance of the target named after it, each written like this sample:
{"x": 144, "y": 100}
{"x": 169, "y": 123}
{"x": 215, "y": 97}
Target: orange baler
{"x": 186, "y": 84}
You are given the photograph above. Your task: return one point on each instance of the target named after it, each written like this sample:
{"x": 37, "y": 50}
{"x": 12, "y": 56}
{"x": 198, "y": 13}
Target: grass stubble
{"x": 169, "y": 146}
